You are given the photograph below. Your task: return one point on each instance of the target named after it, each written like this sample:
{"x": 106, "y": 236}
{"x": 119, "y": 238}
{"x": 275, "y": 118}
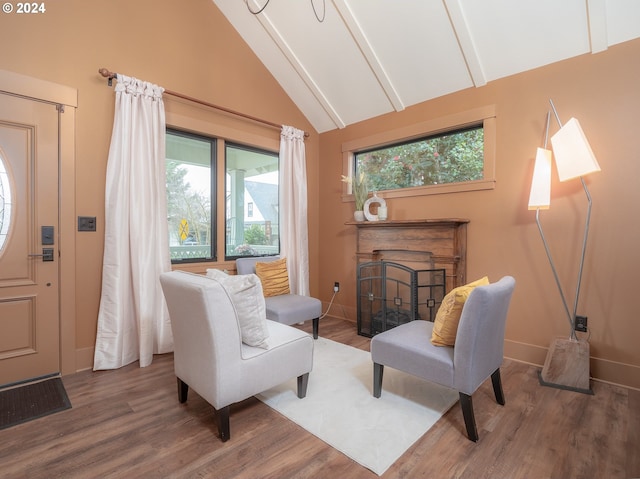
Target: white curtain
{"x": 133, "y": 323}
{"x": 294, "y": 244}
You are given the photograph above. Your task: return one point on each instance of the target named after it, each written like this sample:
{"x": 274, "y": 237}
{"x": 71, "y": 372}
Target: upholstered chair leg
{"x": 303, "y": 381}
{"x": 497, "y": 387}
{"x": 469, "y": 418}
{"x": 183, "y": 391}
{"x": 316, "y": 323}
{"x": 222, "y": 418}
{"x": 378, "y": 370}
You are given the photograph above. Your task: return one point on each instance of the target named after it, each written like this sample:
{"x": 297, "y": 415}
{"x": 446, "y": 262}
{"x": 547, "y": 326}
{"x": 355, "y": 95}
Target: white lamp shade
{"x": 574, "y": 156}
{"x": 540, "y": 196}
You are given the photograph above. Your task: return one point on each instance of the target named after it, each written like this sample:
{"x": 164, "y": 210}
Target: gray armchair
{"x": 477, "y": 354}
{"x": 285, "y": 308}
{"x": 210, "y": 357}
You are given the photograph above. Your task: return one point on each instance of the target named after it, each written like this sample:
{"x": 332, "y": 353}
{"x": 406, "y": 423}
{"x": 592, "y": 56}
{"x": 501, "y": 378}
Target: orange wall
{"x": 602, "y": 92}
{"x": 188, "y": 47}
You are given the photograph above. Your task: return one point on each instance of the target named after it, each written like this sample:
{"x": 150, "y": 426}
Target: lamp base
{"x": 567, "y": 366}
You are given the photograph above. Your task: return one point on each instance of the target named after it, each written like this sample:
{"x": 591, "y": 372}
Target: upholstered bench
{"x": 285, "y": 308}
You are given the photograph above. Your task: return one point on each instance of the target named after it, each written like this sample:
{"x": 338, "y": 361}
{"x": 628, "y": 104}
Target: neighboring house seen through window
{"x": 251, "y": 202}
{"x": 250, "y": 198}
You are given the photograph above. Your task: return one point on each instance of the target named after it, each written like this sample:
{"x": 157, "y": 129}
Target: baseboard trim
{"x": 616, "y": 373}
{"x": 340, "y": 311}
{"x": 604, "y": 370}
{"x": 84, "y": 359}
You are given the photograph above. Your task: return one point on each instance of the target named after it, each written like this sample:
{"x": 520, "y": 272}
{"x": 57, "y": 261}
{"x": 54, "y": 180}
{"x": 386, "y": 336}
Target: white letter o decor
{"x": 367, "y": 205}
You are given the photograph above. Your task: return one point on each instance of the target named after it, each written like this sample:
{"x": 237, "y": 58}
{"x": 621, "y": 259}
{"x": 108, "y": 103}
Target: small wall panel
{"x": 17, "y": 323}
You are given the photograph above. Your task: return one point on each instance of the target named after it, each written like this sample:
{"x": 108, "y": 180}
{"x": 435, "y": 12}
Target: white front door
{"x": 29, "y": 238}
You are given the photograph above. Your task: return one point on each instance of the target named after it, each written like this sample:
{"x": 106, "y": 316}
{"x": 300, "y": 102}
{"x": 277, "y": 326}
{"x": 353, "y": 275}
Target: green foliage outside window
{"x": 449, "y": 158}
{"x": 190, "y": 160}
{"x": 256, "y": 235}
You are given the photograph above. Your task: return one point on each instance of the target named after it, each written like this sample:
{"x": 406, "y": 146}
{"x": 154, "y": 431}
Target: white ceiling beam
{"x": 298, "y": 66}
{"x": 465, "y": 41}
{"x": 369, "y": 54}
{"x": 597, "y": 14}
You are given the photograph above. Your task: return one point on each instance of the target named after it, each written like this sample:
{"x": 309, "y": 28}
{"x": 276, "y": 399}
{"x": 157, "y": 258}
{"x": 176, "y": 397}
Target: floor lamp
{"x": 567, "y": 362}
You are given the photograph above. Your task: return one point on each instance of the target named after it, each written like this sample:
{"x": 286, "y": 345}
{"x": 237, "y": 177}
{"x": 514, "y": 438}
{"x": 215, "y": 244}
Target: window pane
{"x": 190, "y": 196}
{"x": 449, "y": 158}
{"x": 5, "y": 203}
{"x": 251, "y": 202}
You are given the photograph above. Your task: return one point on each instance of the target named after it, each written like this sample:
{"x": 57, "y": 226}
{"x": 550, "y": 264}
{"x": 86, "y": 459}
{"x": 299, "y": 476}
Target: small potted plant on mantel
{"x": 360, "y": 192}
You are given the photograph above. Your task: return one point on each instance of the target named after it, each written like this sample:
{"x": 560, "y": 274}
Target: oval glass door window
{"x": 5, "y": 203}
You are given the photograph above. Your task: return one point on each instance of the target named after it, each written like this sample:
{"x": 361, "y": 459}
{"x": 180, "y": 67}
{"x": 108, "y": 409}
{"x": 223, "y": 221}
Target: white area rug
{"x": 340, "y": 408}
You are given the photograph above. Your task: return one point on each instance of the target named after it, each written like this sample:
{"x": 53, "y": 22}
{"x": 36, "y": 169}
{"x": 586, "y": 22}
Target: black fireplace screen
{"x": 390, "y": 294}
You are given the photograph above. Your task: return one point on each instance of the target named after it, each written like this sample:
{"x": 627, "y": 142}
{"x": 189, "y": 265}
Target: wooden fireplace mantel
{"x": 444, "y": 238}
{"x": 408, "y": 223}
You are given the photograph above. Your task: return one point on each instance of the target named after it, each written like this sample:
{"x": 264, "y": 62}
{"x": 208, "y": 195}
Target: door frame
{"x": 45, "y": 91}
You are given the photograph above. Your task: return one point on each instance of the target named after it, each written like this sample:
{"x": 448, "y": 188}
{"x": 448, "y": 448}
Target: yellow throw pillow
{"x": 274, "y": 277}
{"x": 445, "y": 326}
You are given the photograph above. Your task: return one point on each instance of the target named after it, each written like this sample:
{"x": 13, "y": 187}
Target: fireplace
{"x": 429, "y": 257}
{"x": 445, "y": 240}
{"x": 390, "y": 294}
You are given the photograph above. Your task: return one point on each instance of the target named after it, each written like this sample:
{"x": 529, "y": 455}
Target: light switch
{"x": 86, "y": 223}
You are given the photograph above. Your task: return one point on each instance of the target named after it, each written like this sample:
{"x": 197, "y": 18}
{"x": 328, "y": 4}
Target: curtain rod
{"x": 110, "y": 75}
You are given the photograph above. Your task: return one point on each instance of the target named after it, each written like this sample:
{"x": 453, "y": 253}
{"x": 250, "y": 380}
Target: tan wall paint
{"x": 188, "y": 47}
{"x": 195, "y": 51}
{"x": 602, "y": 92}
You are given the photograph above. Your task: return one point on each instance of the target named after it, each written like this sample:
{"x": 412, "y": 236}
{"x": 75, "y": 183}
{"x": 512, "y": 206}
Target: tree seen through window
{"x": 448, "y": 158}
{"x": 190, "y": 162}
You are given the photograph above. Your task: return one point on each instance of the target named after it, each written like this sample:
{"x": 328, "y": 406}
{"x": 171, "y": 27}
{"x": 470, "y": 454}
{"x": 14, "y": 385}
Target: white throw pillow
{"x": 245, "y": 291}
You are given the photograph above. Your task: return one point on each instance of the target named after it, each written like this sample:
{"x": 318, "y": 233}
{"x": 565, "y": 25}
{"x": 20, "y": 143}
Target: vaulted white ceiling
{"x": 370, "y": 57}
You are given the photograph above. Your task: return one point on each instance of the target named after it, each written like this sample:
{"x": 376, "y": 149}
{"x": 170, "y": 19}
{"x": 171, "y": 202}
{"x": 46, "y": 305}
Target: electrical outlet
{"x": 336, "y": 287}
{"x": 581, "y": 324}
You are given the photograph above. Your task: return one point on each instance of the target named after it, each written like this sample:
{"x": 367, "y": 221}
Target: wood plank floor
{"x": 128, "y": 423}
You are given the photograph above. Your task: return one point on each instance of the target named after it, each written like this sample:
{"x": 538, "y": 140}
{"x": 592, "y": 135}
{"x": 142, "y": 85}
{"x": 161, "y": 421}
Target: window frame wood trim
{"x": 484, "y": 115}
{"x": 185, "y": 116}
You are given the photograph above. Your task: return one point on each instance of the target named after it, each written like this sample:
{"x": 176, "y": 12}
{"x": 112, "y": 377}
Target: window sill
{"x": 432, "y": 190}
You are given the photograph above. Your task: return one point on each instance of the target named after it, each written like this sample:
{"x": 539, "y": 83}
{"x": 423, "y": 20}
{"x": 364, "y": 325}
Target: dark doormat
{"x": 31, "y": 401}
